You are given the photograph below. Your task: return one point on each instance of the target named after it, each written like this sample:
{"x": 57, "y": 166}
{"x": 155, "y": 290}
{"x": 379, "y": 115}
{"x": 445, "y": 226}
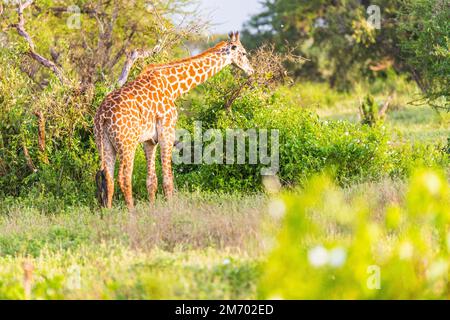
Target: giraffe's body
{"x": 143, "y": 111}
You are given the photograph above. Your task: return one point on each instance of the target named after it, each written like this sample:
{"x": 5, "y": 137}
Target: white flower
{"x": 318, "y": 256}
{"x": 437, "y": 269}
{"x": 337, "y": 257}
{"x": 226, "y": 261}
{"x": 406, "y": 251}
{"x": 432, "y": 182}
{"x": 277, "y": 208}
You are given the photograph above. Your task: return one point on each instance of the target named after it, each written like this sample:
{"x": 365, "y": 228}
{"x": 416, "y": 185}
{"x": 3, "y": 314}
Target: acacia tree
{"x": 413, "y": 37}
{"x": 425, "y": 46}
{"x": 89, "y": 40}
{"x": 333, "y": 35}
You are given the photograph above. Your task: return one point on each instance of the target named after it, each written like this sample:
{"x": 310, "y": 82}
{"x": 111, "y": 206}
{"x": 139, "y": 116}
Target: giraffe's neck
{"x": 186, "y": 74}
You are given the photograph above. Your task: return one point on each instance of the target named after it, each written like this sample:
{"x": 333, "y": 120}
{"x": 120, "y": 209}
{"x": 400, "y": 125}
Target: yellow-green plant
{"x": 332, "y": 248}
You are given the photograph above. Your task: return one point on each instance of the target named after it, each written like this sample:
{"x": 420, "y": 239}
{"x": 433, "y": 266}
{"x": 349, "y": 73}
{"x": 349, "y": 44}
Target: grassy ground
{"x": 195, "y": 247}
{"x": 198, "y": 246}
{"x": 414, "y": 122}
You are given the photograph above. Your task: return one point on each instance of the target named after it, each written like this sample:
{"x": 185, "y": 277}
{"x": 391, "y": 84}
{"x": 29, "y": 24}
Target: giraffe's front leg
{"x": 166, "y": 139}
{"x": 152, "y": 179}
{"x": 125, "y": 175}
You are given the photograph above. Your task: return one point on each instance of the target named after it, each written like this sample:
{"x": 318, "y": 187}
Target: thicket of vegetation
{"x": 46, "y": 125}
{"x": 354, "y": 152}
{"x": 58, "y": 61}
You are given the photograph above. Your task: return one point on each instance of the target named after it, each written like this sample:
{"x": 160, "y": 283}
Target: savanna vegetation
{"x": 360, "y": 205}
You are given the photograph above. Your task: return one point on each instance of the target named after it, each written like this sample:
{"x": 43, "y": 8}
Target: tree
{"x": 89, "y": 40}
{"x": 58, "y": 59}
{"x": 343, "y": 44}
{"x": 425, "y": 41}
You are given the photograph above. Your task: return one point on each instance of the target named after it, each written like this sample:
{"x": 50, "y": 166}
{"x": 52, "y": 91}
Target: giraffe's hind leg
{"x": 110, "y": 163}
{"x": 105, "y": 176}
{"x": 152, "y": 180}
{"x": 166, "y": 139}
{"x": 125, "y": 176}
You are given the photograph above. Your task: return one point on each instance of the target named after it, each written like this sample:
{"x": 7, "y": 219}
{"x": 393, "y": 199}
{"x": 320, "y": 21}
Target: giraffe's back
{"x": 129, "y": 114}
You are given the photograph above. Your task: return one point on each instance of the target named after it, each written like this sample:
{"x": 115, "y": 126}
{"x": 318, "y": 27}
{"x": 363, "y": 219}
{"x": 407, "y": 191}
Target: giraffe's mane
{"x": 152, "y": 67}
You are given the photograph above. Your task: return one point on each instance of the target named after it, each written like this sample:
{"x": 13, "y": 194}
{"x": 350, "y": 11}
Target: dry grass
{"x": 198, "y": 246}
{"x": 194, "y": 247}
{"x": 198, "y": 223}
{"x": 186, "y": 222}
{"x": 378, "y": 195}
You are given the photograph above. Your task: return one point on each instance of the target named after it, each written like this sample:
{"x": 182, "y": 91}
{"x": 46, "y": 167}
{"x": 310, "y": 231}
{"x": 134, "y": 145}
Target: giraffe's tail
{"x": 100, "y": 178}
{"x": 102, "y": 189}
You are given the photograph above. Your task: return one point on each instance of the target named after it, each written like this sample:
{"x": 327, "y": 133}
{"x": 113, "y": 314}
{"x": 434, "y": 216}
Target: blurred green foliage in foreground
{"x": 332, "y": 249}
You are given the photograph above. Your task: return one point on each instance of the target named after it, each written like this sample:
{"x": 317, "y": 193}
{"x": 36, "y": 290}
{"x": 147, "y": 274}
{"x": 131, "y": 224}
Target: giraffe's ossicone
{"x": 143, "y": 111}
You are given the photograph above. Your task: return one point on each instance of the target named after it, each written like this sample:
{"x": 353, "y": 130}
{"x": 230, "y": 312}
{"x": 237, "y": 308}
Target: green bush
{"x": 65, "y": 169}
{"x": 308, "y": 145}
{"x": 342, "y": 44}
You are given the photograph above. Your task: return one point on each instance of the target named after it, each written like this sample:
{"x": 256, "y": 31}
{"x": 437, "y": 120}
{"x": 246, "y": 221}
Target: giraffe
{"x": 143, "y": 111}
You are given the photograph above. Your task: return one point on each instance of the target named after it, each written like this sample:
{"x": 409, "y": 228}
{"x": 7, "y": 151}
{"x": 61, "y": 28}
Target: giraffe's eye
{"x": 233, "y": 47}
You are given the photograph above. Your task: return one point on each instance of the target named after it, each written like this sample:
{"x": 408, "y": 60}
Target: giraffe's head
{"x": 238, "y": 54}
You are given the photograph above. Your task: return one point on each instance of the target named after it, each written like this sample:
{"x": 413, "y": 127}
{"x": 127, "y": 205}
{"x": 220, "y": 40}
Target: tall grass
{"x": 208, "y": 246}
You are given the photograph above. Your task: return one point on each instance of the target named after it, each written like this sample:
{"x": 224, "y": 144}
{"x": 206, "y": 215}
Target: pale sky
{"x": 227, "y": 15}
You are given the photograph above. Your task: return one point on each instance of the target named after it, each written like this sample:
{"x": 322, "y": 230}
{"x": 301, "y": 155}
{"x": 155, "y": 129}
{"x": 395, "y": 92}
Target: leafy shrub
{"x": 331, "y": 249}
{"x": 64, "y": 165}
{"x": 307, "y": 144}
{"x": 369, "y": 110}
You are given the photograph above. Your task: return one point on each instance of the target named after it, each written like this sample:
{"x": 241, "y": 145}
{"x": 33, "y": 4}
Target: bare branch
{"x": 82, "y": 10}
{"x": 269, "y": 71}
{"x": 20, "y": 27}
{"x": 168, "y": 38}
{"x": 235, "y": 93}
{"x": 123, "y": 49}
{"x": 132, "y": 57}
{"x": 41, "y": 135}
{"x": 382, "y": 65}
{"x": 30, "y": 163}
